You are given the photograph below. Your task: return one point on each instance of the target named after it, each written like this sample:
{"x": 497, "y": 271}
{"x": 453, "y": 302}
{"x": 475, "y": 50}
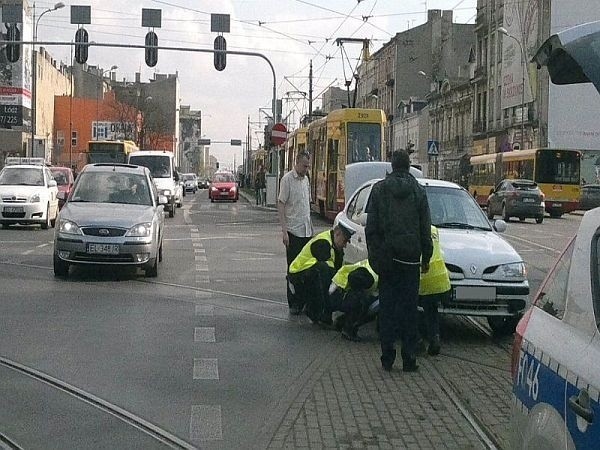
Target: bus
{"x": 108, "y": 152}
{"x": 342, "y": 137}
{"x": 556, "y": 171}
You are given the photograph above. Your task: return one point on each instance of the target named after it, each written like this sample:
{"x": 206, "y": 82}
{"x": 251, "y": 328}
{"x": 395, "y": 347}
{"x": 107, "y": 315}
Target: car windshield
{"x": 21, "y": 176}
{"x": 160, "y": 166}
{"x": 188, "y": 177}
{"x": 455, "y": 208}
{"x": 223, "y": 178}
{"x": 112, "y": 187}
{"x": 60, "y": 177}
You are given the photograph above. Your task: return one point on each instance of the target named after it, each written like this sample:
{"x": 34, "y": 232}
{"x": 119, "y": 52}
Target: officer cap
{"x": 348, "y": 232}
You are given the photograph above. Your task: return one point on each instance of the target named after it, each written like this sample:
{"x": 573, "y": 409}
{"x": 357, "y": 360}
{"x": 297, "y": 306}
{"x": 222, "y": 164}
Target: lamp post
{"x": 34, "y": 69}
{"x": 505, "y": 32}
{"x": 98, "y": 96}
{"x": 434, "y": 131}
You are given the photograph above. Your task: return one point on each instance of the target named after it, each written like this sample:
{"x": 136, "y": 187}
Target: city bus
{"x": 556, "y": 171}
{"x": 108, "y": 152}
{"x": 342, "y": 137}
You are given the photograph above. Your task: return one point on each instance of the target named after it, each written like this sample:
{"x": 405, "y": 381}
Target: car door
{"x": 355, "y": 219}
{"x": 494, "y": 199}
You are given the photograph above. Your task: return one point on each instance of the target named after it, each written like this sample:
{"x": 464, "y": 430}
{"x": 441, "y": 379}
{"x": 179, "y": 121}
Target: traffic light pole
{"x": 168, "y": 48}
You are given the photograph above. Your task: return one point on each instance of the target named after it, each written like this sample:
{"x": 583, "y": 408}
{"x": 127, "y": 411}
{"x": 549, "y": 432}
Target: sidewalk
{"x": 249, "y": 195}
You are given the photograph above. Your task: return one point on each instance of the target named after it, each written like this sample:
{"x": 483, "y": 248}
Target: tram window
{"x": 364, "y": 142}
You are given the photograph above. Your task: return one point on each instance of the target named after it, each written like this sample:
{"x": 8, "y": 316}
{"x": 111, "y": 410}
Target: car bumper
{"x": 25, "y": 213}
{"x": 526, "y": 210}
{"x": 131, "y": 251}
{"x": 220, "y": 195}
{"x": 474, "y": 298}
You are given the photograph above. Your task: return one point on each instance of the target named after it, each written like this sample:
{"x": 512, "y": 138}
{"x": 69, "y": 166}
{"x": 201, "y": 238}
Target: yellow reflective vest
{"x": 340, "y": 279}
{"x": 436, "y": 280}
{"x": 305, "y": 260}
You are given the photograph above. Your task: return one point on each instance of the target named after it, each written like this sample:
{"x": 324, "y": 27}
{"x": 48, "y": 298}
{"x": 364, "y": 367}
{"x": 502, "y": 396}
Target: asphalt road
{"x": 205, "y": 355}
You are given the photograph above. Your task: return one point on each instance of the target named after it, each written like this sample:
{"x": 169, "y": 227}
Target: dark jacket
{"x": 398, "y": 227}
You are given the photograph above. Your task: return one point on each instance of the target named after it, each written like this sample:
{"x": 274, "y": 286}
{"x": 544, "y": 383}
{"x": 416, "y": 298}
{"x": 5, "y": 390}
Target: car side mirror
{"x": 176, "y": 176}
{"x": 163, "y": 200}
{"x": 362, "y": 219}
{"x": 52, "y": 183}
{"x": 500, "y": 225}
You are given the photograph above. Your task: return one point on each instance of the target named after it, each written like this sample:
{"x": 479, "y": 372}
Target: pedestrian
{"x": 260, "y": 183}
{"x": 293, "y": 208}
{"x": 311, "y": 272}
{"x": 398, "y": 235}
{"x": 353, "y": 289}
{"x": 434, "y": 288}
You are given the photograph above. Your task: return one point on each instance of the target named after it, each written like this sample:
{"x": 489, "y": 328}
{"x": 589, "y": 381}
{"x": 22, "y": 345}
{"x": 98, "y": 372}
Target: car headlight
{"x": 512, "y": 271}
{"x": 233, "y": 189}
{"x": 35, "y": 198}
{"x": 166, "y": 192}
{"x": 140, "y": 230}
{"x": 68, "y": 227}
{"x": 213, "y": 188}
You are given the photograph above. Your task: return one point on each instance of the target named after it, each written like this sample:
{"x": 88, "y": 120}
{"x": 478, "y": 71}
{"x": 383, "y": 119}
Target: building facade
{"x": 190, "y": 133}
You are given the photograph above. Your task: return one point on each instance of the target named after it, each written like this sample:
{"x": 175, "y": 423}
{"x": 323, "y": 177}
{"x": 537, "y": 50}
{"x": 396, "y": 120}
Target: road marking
{"x": 205, "y": 310}
{"x": 256, "y": 253}
{"x": 197, "y": 244}
{"x": 535, "y": 244}
{"x": 251, "y": 259}
{"x": 201, "y": 268}
{"x": 194, "y": 230}
{"x": 206, "y": 369}
{"x": 28, "y": 252}
{"x": 201, "y": 258}
{"x": 204, "y": 334}
{"x": 199, "y": 250}
{"x": 206, "y": 423}
{"x": 43, "y": 245}
{"x": 202, "y": 279}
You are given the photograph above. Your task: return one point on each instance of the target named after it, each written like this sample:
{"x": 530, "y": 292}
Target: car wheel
{"x": 46, "y": 224}
{"x": 212, "y": 200}
{"x": 61, "y": 268}
{"x": 5, "y": 226}
{"x": 53, "y": 221}
{"x": 505, "y": 215}
{"x": 151, "y": 269}
{"x": 503, "y": 325}
{"x": 539, "y": 219}
{"x": 490, "y": 214}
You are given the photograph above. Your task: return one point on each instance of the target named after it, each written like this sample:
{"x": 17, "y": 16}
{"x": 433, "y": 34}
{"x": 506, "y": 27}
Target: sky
{"x": 290, "y": 33}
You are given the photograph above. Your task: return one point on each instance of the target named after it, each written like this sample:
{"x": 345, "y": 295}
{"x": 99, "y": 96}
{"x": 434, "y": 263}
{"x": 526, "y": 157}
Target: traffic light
{"x": 151, "y": 50}
{"x": 81, "y": 46}
{"x": 217, "y": 164}
{"x": 13, "y": 51}
{"x": 220, "y": 58}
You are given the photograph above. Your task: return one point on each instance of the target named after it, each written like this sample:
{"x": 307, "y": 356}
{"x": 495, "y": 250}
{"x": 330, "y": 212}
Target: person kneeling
{"x": 352, "y": 291}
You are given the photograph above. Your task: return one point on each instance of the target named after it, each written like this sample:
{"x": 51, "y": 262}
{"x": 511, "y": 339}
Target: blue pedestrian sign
{"x": 433, "y": 148}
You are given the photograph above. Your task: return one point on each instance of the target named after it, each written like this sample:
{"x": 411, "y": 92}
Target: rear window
{"x": 525, "y": 185}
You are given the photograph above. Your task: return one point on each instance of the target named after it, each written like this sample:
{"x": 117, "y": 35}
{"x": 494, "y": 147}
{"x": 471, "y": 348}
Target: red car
{"x": 64, "y": 181}
{"x": 223, "y": 187}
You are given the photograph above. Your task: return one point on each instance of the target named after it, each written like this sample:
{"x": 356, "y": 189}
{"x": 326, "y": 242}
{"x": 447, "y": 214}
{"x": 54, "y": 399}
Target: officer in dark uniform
{"x": 314, "y": 267}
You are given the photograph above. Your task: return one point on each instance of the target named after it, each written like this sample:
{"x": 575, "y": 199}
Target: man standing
{"x": 293, "y": 208}
{"x": 398, "y": 234}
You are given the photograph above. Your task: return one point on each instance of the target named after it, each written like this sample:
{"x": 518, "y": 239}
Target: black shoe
{"x": 326, "y": 320}
{"x": 387, "y": 360}
{"x": 410, "y": 365}
{"x": 295, "y": 310}
{"x": 434, "y": 347}
{"x": 351, "y": 336}
{"x": 339, "y": 322}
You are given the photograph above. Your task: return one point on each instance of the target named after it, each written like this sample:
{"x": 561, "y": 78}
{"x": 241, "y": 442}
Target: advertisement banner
{"x": 521, "y": 23}
{"x": 111, "y": 131}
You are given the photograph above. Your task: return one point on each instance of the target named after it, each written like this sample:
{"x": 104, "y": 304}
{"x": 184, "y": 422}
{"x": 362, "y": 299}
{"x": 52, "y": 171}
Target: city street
{"x": 206, "y": 355}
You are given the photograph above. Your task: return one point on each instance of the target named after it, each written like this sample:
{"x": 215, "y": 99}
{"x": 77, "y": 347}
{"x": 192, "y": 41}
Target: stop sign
{"x": 278, "y": 134}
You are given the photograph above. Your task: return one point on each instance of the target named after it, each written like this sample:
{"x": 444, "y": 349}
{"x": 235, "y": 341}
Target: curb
{"x": 252, "y": 201}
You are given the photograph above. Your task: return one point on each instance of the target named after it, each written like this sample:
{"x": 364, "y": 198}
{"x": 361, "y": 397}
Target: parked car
{"x": 203, "y": 183}
{"x": 590, "y": 196}
{"x": 517, "y": 198}
{"x": 190, "y": 182}
{"x": 64, "y": 182}
{"x": 223, "y": 187}
{"x": 488, "y": 276}
{"x": 114, "y": 216}
{"x": 556, "y": 381}
{"x": 28, "y": 193}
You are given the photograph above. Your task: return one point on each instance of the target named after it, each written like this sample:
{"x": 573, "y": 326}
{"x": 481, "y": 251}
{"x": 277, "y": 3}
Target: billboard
{"x": 518, "y": 75}
{"x": 573, "y": 110}
{"x": 15, "y": 80}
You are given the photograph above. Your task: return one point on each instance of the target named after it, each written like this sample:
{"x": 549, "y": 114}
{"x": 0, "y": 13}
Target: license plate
{"x": 13, "y": 209}
{"x": 103, "y": 249}
{"x": 528, "y": 200}
{"x": 224, "y": 193}
{"x": 556, "y": 205}
{"x": 481, "y": 293}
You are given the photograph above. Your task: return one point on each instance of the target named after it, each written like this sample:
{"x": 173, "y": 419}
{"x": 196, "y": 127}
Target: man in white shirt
{"x": 293, "y": 208}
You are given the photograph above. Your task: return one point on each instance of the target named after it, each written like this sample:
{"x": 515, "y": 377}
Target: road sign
{"x": 278, "y": 134}
{"x": 433, "y": 148}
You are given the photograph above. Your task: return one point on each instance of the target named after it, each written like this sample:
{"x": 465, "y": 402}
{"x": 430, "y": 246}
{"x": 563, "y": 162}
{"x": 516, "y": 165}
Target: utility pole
{"x": 310, "y": 92}
{"x": 248, "y": 141}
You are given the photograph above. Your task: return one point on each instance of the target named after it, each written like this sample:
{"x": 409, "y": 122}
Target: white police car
{"x": 556, "y": 353}
{"x": 28, "y": 193}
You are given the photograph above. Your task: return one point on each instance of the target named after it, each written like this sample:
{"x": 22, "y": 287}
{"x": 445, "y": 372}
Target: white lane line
{"x": 204, "y": 310}
{"x": 43, "y": 245}
{"x": 200, "y": 279}
{"x": 206, "y": 369}
{"x": 256, "y": 253}
{"x": 200, "y": 258}
{"x": 534, "y": 244}
{"x": 206, "y": 423}
{"x": 251, "y": 259}
{"x": 204, "y": 334}
{"x": 28, "y": 252}
{"x": 201, "y": 268}
{"x": 196, "y": 244}
{"x": 199, "y": 250}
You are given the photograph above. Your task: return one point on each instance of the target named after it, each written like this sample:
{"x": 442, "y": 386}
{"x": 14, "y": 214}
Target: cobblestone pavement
{"x": 352, "y": 403}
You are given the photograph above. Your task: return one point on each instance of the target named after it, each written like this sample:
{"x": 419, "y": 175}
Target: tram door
{"x": 332, "y": 167}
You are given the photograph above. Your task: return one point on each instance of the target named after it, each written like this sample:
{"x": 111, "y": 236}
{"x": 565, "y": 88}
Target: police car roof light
{"x": 14, "y": 160}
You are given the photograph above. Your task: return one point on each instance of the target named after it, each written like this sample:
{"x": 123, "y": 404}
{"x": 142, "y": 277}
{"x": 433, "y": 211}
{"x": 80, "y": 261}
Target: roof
{"x": 122, "y": 168}
{"x": 152, "y": 153}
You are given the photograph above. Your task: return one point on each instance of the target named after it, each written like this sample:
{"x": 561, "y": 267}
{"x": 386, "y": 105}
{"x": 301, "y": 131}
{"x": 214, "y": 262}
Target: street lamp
{"x": 34, "y": 69}
{"x": 98, "y": 96}
{"x": 505, "y": 32}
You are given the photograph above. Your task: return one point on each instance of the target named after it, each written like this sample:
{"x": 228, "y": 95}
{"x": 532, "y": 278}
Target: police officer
{"x": 434, "y": 287}
{"x": 353, "y": 289}
{"x": 314, "y": 267}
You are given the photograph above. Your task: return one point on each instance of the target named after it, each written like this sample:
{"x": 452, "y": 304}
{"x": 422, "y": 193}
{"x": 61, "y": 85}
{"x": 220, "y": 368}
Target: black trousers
{"x": 311, "y": 289}
{"x": 296, "y": 245}
{"x": 354, "y": 303}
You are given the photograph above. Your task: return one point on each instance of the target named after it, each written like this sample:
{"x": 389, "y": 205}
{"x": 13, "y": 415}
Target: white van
{"x": 166, "y": 178}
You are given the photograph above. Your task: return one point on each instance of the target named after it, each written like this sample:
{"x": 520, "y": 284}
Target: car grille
{"x": 107, "y": 232}
{"x": 17, "y": 215}
{"x": 85, "y": 257}
{"x": 12, "y": 199}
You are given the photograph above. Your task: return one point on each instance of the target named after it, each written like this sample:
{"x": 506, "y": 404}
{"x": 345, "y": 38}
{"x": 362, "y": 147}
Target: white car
{"x": 488, "y": 276}
{"x": 556, "y": 354}
{"x": 28, "y": 193}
